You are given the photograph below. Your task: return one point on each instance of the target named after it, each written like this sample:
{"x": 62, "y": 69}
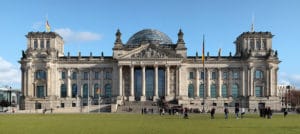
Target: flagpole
{"x": 88, "y": 97}
{"x": 203, "y": 59}
{"x": 99, "y": 99}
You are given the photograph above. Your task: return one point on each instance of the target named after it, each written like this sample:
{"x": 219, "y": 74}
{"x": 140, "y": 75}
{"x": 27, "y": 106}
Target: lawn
{"x": 145, "y": 124}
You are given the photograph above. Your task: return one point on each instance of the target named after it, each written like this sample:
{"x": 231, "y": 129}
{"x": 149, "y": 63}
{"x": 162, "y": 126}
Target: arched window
{"x": 40, "y": 74}
{"x": 258, "y": 91}
{"x": 74, "y": 90}
{"x": 224, "y": 90}
{"x": 235, "y": 91}
{"x": 258, "y": 74}
{"x": 63, "y": 91}
{"x": 96, "y": 91}
{"x": 191, "y": 91}
{"x": 213, "y": 91}
{"x": 85, "y": 91}
{"x": 201, "y": 90}
{"x": 108, "y": 90}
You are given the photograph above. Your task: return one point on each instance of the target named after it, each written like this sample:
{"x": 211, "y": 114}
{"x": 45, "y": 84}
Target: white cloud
{"x": 9, "y": 74}
{"x": 289, "y": 79}
{"x": 74, "y": 36}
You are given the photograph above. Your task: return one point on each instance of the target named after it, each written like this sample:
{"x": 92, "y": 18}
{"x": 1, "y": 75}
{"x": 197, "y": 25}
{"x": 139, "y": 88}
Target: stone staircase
{"x": 137, "y": 106}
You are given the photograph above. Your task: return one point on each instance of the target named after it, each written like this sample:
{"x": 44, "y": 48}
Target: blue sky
{"x": 90, "y": 26}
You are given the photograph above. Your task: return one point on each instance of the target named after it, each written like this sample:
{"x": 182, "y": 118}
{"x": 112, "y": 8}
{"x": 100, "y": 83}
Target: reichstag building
{"x": 150, "y": 67}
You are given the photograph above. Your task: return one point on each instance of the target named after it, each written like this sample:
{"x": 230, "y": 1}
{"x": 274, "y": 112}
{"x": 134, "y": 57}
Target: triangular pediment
{"x": 151, "y": 51}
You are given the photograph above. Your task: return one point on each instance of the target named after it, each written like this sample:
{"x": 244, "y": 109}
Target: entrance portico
{"x": 146, "y": 81}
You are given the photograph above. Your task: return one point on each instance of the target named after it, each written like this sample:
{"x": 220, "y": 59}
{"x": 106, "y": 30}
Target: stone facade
{"x": 150, "y": 67}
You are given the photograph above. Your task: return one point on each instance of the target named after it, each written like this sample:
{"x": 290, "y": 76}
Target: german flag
{"x": 48, "y": 28}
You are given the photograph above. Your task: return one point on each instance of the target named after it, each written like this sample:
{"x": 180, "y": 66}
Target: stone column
{"x": 243, "y": 82}
{"x": 271, "y": 82}
{"x": 120, "y": 81}
{"x": 197, "y": 82}
{"x": 275, "y": 93}
{"x": 48, "y": 86}
{"x": 167, "y": 77}
{"x": 155, "y": 97}
{"x": 251, "y": 81}
{"x": 143, "y": 97}
{"x": 178, "y": 71}
{"x": 69, "y": 83}
{"x": 219, "y": 82}
{"x": 208, "y": 83}
{"x": 24, "y": 82}
{"x": 131, "y": 97}
{"x": 102, "y": 83}
{"x": 229, "y": 92}
{"x": 30, "y": 84}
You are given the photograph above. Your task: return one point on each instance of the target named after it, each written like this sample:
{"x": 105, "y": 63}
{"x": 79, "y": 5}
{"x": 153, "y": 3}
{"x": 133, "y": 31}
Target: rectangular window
{"x": 252, "y": 44}
{"x": 225, "y": 75}
{"x": 235, "y": 75}
{"x": 108, "y": 75}
{"x": 63, "y": 75}
{"x": 35, "y": 43}
{"x": 62, "y": 105}
{"x": 40, "y": 92}
{"x": 96, "y": 76}
{"x": 42, "y": 44}
{"x": 74, "y": 75}
{"x": 191, "y": 75}
{"x": 258, "y": 91}
{"x": 40, "y": 74}
{"x": 202, "y": 75}
{"x": 48, "y": 44}
{"x": 85, "y": 75}
{"x": 213, "y": 75}
{"x": 225, "y": 104}
{"x": 258, "y": 74}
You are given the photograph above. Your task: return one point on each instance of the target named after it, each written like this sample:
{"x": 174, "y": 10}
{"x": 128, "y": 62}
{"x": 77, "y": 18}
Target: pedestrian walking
{"x": 226, "y": 112}
{"x": 243, "y": 113}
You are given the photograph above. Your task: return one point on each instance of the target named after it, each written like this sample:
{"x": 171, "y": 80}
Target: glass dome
{"x": 149, "y": 36}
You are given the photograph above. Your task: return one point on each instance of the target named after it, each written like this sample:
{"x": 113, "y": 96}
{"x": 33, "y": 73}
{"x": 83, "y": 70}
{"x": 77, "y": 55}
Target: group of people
{"x": 226, "y": 112}
{"x": 263, "y": 112}
{"x": 266, "y": 112}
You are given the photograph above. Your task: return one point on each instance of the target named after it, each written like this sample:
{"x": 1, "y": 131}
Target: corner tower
{"x": 40, "y": 42}
{"x": 254, "y": 44}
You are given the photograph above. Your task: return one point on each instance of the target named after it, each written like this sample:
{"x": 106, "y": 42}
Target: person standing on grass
{"x": 212, "y": 113}
{"x": 185, "y": 113}
{"x": 236, "y": 111}
{"x": 226, "y": 112}
{"x": 243, "y": 112}
{"x": 285, "y": 113}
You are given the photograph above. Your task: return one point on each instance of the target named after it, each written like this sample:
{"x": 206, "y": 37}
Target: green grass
{"x": 145, "y": 124}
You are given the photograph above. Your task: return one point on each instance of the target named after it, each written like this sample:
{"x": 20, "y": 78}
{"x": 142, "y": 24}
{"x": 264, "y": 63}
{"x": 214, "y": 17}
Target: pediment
{"x": 152, "y": 51}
